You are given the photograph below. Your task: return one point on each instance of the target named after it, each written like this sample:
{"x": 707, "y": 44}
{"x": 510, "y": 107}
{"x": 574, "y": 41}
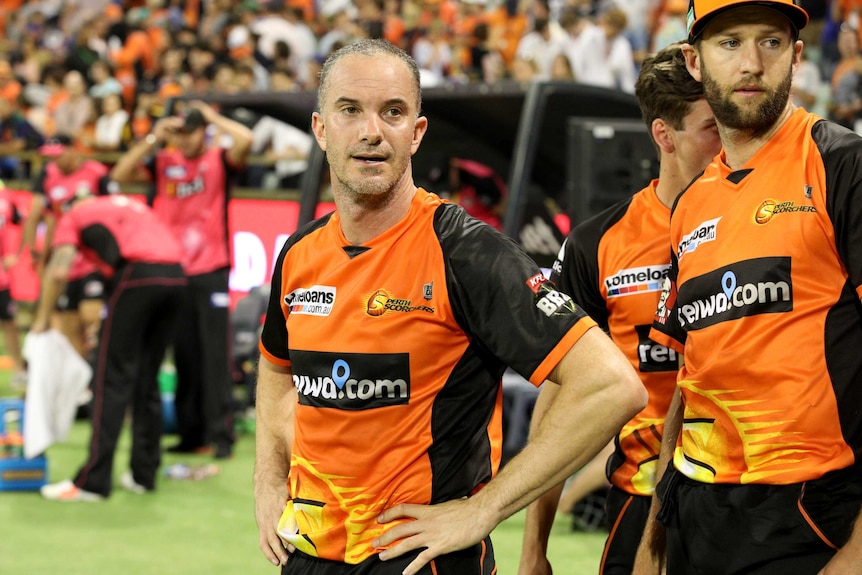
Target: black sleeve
{"x": 576, "y": 271}
{"x": 499, "y": 295}
{"x": 274, "y": 337}
{"x": 841, "y": 150}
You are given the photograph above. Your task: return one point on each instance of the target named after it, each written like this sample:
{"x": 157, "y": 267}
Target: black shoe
{"x": 186, "y": 448}
{"x": 223, "y": 451}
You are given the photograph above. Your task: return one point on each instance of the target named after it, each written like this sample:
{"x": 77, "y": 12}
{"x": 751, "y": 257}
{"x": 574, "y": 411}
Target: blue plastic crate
{"x": 23, "y": 474}
{"x": 17, "y": 473}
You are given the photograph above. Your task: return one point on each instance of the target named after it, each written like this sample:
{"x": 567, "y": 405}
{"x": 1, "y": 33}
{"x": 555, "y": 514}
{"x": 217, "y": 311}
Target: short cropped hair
{"x": 372, "y": 48}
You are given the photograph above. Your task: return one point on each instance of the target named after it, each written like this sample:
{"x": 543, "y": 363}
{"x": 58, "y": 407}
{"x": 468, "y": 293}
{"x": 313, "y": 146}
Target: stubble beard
{"x": 368, "y": 193}
{"x": 756, "y": 122}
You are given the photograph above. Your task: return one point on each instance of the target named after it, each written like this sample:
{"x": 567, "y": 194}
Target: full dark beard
{"x": 730, "y": 115}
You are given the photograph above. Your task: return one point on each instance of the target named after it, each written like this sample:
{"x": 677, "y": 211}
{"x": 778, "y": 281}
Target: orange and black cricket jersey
{"x": 614, "y": 266}
{"x": 764, "y": 289}
{"x": 397, "y": 349}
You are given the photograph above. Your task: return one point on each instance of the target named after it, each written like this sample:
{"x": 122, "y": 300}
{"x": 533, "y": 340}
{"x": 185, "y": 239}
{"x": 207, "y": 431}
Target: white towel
{"x": 57, "y": 379}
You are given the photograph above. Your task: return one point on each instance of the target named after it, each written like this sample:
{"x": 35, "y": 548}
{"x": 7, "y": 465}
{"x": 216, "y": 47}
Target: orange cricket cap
{"x": 700, "y": 12}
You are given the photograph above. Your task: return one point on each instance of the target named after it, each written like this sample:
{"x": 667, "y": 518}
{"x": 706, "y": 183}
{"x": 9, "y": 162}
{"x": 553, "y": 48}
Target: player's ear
{"x": 318, "y": 127}
{"x": 661, "y": 133}
{"x": 692, "y": 61}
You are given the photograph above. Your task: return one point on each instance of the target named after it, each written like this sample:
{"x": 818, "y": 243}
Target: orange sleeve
{"x": 271, "y": 358}
{"x": 561, "y": 349}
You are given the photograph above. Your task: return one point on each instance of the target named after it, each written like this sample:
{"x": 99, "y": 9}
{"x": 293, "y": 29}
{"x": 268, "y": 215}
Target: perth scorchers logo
{"x": 381, "y": 301}
{"x": 377, "y": 303}
{"x": 770, "y": 208}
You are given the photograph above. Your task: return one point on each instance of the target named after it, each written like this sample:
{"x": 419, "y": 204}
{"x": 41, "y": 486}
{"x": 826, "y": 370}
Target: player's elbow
{"x": 629, "y": 393}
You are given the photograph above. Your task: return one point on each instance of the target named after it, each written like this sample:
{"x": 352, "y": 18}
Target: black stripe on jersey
{"x": 841, "y": 151}
{"x": 582, "y": 261}
{"x": 274, "y": 334}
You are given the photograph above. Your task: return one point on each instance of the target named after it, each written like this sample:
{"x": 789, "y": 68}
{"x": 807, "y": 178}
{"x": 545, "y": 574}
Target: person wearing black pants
{"x": 135, "y": 250}
{"x": 191, "y": 182}
{"x": 204, "y": 401}
{"x": 142, "y": 313}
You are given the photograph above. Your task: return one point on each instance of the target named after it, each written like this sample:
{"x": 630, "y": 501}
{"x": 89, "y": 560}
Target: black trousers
{"x": 475, "y": 560}
{"x": 756, "y": 529}
{"x": 627, "y": 515}
{"x": 143, "y": 306}
{"x": 202, "y": 352}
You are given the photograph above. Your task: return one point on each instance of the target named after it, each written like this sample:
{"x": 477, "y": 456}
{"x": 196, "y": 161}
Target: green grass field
{"x": 186, "y": 527}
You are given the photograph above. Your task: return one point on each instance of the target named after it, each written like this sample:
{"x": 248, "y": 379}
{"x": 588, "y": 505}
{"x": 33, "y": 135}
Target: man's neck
{"x": 362, "y": 221}
{"x": 740, "y": 145}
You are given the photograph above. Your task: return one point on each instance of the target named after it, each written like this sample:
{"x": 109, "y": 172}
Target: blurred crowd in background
{"x": 103, "y": 70}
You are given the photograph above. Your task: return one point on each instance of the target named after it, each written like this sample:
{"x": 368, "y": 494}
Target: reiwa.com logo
{"x": 632, "y": 281}
{"x": 705, "y": 232}
{"x": 351, "y": 381}
{"x": 381, "y": 302}
{"x": 316, "y": 300}
{"x": 746, "y": 288}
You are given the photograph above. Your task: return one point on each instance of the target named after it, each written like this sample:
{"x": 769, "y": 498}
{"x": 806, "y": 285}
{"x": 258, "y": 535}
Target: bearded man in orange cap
{"x": 762, "y": 300}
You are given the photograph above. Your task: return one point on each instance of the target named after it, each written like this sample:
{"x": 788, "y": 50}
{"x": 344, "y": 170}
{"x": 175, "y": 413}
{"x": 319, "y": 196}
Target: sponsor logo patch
{"x": 552, "y": 302}
{"x": 652, "y": 356}
{"x": 705, "y": 232}
{"x": 746, "y": 288}
{"x": 636, "y": 280}
{"x": 351, "y": 381}
{"x": 316, "y": 300}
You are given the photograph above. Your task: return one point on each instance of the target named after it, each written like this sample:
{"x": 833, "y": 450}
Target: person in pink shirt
{"x": 140, "y": 259}
{"x": 66, "y": 175}
{"x": 192, "y": 176}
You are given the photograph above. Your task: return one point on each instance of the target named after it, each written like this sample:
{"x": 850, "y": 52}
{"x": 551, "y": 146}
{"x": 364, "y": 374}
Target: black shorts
{"x": 475, "y": 560}
{"x": 757, "y": 529}
{"x": 627, "y": 516}
{"x": 89, "y": 287}
{"x": 7, "y": 305}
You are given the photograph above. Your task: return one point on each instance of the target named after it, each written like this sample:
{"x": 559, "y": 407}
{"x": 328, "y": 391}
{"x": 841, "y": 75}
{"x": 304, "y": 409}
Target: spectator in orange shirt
{"x": 10, "y": 88}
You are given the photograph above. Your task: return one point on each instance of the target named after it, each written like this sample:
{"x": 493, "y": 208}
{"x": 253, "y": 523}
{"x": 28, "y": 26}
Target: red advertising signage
{"x": 258, "y": 230}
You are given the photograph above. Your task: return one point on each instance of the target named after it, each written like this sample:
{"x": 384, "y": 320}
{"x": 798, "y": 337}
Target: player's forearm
{"x": 540, "y": 513}
{"x": 599, "y": 392}
{"x": 653, "y": 537}
{"x": 274, "y": 409}
{"x": 28, "y": 234}
{"x": 53, "y": 284}
{"x": 126, "y": 168}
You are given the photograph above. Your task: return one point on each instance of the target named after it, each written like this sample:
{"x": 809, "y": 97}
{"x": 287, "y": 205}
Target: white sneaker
{"x": 68, "y": 491}
{"x": 128, "y": 483}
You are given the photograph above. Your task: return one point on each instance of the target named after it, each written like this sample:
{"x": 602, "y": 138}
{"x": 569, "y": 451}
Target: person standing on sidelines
{"x": 763, "y": 300}
{"x": 141, "y": 260}
{"x": 191, "y": 188}
{"x": 9, "y": 215}
{"x": 614, "y": 266}
{"x": 65, "y": 176}
{"x": 389, "y": 326}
